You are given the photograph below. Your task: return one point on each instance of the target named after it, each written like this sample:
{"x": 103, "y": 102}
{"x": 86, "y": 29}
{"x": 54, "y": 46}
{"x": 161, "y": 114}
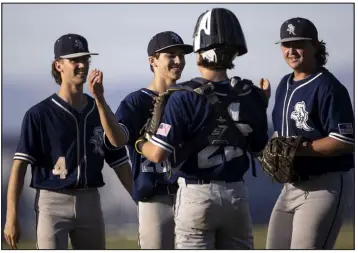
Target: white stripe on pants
{"x": 309, "y": 215}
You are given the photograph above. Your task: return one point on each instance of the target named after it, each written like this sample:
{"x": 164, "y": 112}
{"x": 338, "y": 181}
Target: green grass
{"x": 345, "y": 240}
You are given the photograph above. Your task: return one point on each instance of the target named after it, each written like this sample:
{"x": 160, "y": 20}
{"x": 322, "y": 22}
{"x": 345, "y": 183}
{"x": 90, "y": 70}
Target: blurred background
{"x": 120, "y": 34}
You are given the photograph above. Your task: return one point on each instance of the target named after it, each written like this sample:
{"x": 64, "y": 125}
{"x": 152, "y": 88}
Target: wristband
{"x": 136, "y": 145}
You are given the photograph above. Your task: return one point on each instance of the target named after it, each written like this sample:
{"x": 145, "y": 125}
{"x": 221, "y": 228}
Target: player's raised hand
{"x": 264, "y": 84}
{"x": 95, "y": 83}
{"x": 12, "y": 233}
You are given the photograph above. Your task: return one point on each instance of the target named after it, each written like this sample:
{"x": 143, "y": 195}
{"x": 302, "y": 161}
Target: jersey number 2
{"x": 207, "y": 157}
{"x": 148, "y": 166}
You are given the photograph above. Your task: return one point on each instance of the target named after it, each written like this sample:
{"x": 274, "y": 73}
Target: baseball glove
{"x": 278, "y": 156}
{"x": 152, "y": 123}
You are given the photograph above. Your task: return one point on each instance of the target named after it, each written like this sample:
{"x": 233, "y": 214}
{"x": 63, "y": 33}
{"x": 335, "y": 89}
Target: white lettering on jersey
{"x": 60, "y": 168}
{"x": 148, "y": 166}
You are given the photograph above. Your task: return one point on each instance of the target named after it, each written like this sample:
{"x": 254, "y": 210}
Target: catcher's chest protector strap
{"x": 231, "y": 136}
{"x": 234, "y": 136}
{"x": 221, "y": 128}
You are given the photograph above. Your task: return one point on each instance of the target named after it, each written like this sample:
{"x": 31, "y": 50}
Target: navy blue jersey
{"x": 65, "y": 147}
{"x": 316, "y": 107}
{"x": 187, "y": 112}
{"x": 132, "y": 113}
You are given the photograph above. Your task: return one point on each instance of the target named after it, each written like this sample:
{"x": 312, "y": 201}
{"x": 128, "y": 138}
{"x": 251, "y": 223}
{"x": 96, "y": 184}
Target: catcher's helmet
{"x": 217, "y": 28}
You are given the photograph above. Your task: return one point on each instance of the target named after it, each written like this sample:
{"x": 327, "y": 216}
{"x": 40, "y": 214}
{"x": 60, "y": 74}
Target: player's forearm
{"x": 16, "y": 183}
{"x": 153, "y": 152}
{"x": 113, "y": 130}
{"x": 124, "y": 174}
{"x": 326, "y": 147}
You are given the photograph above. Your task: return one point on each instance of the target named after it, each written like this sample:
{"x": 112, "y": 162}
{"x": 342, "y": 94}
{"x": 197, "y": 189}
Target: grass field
{"x": 344, "y": 241}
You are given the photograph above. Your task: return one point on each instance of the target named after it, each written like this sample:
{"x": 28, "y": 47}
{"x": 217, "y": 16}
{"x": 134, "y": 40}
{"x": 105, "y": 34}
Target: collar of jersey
{"x": 305, "y": 80}
{"x": 149, "y": 92}
{"x": 89, "y": 105}
{"x": 222, "y": 87}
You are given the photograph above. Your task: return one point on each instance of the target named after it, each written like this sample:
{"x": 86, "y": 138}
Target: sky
{"x": 120, "y": 34}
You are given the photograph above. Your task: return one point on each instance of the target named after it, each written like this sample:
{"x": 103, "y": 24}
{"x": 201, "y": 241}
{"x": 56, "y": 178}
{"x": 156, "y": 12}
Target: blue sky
{"x": 120, "y": 34}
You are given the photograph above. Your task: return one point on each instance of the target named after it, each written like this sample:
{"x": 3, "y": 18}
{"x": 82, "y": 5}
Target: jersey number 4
{"x": 212, "y": 156}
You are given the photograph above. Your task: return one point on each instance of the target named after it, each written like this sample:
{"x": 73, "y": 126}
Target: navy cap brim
{"x": 187, "y": 48}
{"x": 75, "y": 55}
{"x": 292, "y": 39}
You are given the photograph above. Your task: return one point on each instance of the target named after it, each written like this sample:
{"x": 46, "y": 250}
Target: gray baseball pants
{"x": 156, "y": 222}
{"x": 69, "y": 213}
{"x": 309, "y": 214}
{"x": 212, "y": 216}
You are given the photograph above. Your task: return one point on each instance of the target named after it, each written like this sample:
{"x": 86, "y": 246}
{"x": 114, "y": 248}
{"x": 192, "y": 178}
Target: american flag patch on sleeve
{"x": 345, "y": 128}
{"x": 163, "y": 129}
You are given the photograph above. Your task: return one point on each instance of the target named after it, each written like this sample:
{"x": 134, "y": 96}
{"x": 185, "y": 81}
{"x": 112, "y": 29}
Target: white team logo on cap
{"x": 79, "y": 44}
{"x": 291, "y": 29}
{"x": 300, "y": 115}
{"x": 97, "y": 140}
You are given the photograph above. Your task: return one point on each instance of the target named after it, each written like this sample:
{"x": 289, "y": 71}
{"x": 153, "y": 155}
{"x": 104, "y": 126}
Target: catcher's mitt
{"x": 278, "y": 156}
{"x": 152, "y": 123}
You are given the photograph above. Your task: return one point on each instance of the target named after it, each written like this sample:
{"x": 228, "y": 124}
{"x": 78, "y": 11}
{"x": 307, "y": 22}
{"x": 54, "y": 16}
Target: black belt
{"x": 166, "y": 189}
{"x": 204, "y": 181}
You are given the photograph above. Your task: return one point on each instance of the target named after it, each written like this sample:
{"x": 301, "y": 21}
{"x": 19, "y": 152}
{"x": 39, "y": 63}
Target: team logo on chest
{"x": 300, "y": 116}
{"x": 97, "y": 140}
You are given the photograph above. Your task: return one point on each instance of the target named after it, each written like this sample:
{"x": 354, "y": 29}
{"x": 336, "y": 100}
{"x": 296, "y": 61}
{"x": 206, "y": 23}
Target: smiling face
{"x": 73, "y": 70}
{"x": 299, "y": 55}
{"x": 169, "y": 64}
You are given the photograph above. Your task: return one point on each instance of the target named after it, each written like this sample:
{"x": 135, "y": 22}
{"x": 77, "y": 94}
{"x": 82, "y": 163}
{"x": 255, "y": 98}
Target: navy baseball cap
{"x": 298, "y": 29}
{"x": 165, "y": 40}
{"x": 71, "y": 46}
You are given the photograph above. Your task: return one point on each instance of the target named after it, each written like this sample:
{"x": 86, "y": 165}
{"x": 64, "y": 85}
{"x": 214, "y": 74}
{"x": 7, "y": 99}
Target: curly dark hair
{"x": 321, "y": 54}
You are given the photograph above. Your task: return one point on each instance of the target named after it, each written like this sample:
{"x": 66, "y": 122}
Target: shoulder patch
{"x": 345, "y": 128}
{"x": 163, "y": 129}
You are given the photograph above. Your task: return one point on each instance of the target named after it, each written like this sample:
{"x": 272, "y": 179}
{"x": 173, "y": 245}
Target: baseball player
{"x": 212, "y": 210}
{"x": 153, "y": 190}
{"x": 62, "y": 139}
{"x": 312, "y": 103}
